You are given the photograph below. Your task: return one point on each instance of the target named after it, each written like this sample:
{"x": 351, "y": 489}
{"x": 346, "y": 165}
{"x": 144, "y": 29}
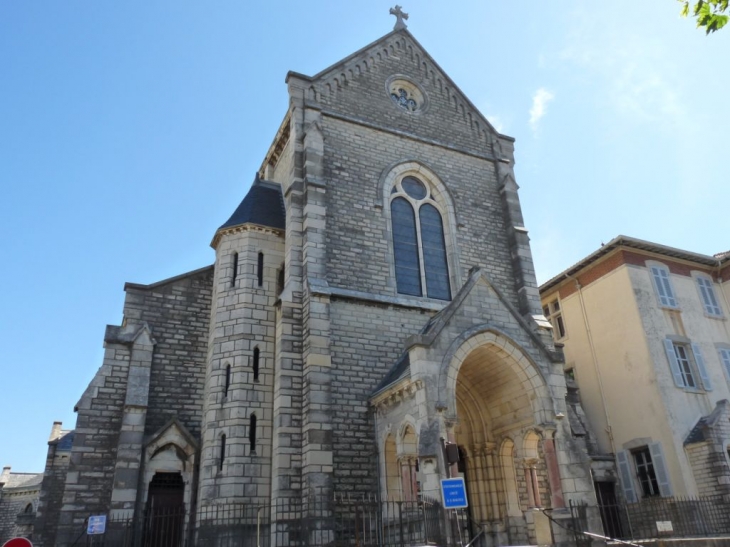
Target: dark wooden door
{"x": 165, "y": 511}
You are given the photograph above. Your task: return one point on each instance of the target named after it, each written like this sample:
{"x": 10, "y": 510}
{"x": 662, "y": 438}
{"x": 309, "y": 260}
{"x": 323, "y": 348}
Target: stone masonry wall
{"x": 359, "y": 90}
{"x": 366, "y": 341}
{"x": 10, "y": 506}
{"x": 178, "y": 314}
{"x": 51, "y": 496}
{"x": 358, "y": 246}
{"x": 89, "y": 480}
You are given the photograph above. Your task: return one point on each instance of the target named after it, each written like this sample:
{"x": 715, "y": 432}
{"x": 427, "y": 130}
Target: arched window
{"x": 419, "y": 246}
{"x": 256, "y": 358}
{"x": 252, "y": 433}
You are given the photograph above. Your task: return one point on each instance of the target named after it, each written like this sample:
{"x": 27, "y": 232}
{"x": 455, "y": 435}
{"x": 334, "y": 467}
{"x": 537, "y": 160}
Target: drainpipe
{"x": 594, "y": 357}
{"x": 724, "y": 296}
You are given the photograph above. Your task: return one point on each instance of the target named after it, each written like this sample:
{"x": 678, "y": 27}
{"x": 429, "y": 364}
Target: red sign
{"x": 18, "y": 542}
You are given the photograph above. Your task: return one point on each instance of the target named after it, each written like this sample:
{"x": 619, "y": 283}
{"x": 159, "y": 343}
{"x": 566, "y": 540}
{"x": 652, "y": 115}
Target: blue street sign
{"x": 97, "y": 525}
{"x": 453, "y": 493}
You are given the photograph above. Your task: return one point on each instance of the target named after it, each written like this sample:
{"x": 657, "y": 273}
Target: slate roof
{"x": 23, "y": 480}
{"x": 632, "y": 242}
{"x": 263, "y": 205}
{"x": 701, "y": 431}
{"x": 65, "y": 441}
{"x": 399, "y": 369}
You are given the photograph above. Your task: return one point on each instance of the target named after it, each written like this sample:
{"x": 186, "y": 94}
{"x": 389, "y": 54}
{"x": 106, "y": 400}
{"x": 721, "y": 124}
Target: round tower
{"x": 237, "y": 420}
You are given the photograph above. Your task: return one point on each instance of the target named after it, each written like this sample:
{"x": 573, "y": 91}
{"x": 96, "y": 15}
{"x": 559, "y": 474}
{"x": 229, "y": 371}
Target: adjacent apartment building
{"x": 646, "y": 338}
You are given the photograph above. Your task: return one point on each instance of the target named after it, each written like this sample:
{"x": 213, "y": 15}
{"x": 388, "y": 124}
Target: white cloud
{"x": 633, "y": 72}
{"x": 539, "y": 106}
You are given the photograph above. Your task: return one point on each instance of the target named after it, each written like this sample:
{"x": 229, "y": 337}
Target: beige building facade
{"x": 646, "y": 339}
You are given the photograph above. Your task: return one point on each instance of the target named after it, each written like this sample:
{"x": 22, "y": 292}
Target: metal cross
{"x": 400, "y": 15}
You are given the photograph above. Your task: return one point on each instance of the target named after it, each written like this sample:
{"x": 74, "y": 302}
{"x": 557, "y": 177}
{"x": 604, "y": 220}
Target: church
{"x": 371, "y": 326}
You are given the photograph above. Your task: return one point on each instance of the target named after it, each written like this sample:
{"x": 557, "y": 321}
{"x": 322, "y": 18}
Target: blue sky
{"x": 129, "y": 131}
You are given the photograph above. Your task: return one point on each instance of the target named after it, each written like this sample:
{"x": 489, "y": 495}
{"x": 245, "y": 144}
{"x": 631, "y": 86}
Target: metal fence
{"x": 313, "y": 522}
{"x": 656, "y": 517}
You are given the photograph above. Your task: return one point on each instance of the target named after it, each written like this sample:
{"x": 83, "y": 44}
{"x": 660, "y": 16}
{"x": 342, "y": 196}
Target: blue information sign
{"x": 453, "y": 493}
{"x": 97, "y": 525}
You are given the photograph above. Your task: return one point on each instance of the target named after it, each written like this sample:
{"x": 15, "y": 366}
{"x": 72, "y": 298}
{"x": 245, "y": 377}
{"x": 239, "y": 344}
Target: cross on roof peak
{"x": 400, "y": 16}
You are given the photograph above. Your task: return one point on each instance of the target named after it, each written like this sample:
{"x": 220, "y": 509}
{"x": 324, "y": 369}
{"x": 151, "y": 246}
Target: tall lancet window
{"x": 419, "y": 247}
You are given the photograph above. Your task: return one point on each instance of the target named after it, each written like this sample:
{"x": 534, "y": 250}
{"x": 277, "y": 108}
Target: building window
{"x": 685, "y": 366}
{"x": 663, "y": 285}
{"x": 228, "y": 381}
{"x": 256, "y": 359}
{"x": 252, "y": 433}
{"x": 709, "y": 299}
{"x": 645, "y": 466}
{"x": 645, "y": 472}
{"x": 419, "y": 247}
{"x": 553, "y": 314}
{"x": 725, "y": 358}
{"x": 686, "y": 361}
{"x": 260, "y": 270}
{"x": 234, "y": 274}
{"x": 223, "y": 453}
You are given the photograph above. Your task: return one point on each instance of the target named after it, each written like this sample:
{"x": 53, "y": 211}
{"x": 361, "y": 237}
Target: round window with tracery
{"x": 405, "y": 94}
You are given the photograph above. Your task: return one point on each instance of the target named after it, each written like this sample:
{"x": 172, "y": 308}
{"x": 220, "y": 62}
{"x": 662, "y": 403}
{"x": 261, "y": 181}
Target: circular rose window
{"x": 405, "y": 94}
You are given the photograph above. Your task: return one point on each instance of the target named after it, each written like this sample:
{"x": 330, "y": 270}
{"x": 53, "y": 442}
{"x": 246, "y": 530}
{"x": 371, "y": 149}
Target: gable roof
{"x": 638, "y": 244}
{"x": 340, "y": 68}
{"x": 701, "y": 431}
{"x": 436, "y": 324}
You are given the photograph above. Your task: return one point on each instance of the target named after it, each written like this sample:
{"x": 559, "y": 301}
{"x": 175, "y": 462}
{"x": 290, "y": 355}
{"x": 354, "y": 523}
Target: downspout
{"x": 594, "y": 356}
{"x": 722, "y": 292}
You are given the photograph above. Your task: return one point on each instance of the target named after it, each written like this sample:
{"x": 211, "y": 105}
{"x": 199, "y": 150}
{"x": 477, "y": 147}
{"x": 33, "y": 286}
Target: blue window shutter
{"x": 707, "y": 291}
{"x": 624, "y": 467}
{"x": 725, "y": 358}
{"x": 706, "y": 382}
{"x": 673, "y": 364}
{"x": 660, "y": 469}
{"x": 663, "y": 286}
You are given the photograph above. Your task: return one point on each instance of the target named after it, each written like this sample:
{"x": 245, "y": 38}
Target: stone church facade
{"x": 372, "y": 302}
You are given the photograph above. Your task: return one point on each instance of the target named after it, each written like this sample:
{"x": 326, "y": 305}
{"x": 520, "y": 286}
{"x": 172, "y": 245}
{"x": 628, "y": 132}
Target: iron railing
{"x": 312, "y": 522}
{"x": 657, "y": 517}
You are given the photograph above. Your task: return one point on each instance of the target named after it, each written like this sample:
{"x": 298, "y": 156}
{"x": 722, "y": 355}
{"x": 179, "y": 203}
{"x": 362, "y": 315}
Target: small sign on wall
{"x": 664, "y": 526}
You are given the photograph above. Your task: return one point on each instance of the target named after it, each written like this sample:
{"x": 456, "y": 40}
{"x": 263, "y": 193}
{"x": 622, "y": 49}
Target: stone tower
{"x": 238, "y": 406}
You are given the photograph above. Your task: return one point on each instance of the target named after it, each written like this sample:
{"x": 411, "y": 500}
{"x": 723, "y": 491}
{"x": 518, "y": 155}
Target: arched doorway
{"x": 498, "y": 395}
{"x": 165, "y": 511}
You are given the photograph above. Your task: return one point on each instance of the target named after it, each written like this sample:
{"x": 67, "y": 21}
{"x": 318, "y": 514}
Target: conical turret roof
{"x": 263, "y": 205}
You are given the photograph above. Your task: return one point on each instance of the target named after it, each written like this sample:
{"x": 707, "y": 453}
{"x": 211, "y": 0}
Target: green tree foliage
{"x": 710, "y": 14}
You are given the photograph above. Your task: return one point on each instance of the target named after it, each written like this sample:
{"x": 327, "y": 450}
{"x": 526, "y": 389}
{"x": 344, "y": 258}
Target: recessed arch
{"x": 496, "y": 349}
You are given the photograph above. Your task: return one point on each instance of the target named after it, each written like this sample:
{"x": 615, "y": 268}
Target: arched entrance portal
{"x": 498, "y": 395}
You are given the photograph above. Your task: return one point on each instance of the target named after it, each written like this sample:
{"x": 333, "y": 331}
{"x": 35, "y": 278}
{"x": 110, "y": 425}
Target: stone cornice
{"x": 400, "y": 391}
{"x": 248, "y": 227}
{"x": 407, "y": 135}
